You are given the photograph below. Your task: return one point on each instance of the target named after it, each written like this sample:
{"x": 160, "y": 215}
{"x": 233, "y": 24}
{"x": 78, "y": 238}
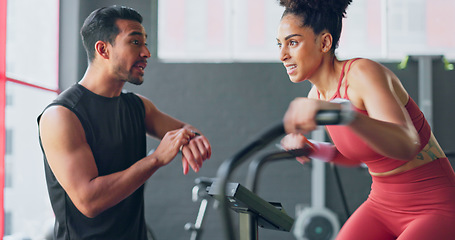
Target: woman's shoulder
{"x": 365, "y": 70}
{"x": 368, "y": 79}
{"x": 364, "y": 64}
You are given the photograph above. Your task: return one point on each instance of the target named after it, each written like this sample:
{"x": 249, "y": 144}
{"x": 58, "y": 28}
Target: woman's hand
{"x": 301, "y": 114}
{"x": 295, "y": 141}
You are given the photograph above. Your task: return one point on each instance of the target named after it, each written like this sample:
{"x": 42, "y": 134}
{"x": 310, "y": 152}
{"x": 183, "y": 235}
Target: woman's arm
{"x": 388, "y": 128}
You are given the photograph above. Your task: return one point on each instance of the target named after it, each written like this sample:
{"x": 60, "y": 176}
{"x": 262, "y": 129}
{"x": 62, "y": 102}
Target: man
{"x": 93, "y": 136}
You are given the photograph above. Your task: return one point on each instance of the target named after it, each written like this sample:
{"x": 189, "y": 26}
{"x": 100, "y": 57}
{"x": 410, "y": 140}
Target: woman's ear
{"x": 101, "y": 49}
{"x": 326, "y": 42}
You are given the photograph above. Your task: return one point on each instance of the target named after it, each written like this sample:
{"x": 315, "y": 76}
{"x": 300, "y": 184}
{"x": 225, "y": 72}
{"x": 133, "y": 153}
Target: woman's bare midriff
{"x": 429, "y": 153}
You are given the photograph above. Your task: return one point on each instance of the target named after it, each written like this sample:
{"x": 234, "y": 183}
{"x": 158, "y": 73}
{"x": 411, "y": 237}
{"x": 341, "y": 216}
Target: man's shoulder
{"x": 67, "y": 99}
{"x": 71, "y": 94}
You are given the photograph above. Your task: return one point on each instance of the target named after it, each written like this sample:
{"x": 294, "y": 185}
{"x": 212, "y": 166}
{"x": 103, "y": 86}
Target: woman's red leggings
{"x": 415, "y": 205}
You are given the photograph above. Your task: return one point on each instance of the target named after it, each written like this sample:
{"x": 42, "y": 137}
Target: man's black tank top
{"x": 115, "y": 130}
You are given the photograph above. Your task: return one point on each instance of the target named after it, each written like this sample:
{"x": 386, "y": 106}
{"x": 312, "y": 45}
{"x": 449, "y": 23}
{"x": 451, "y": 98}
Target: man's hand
{"x": 195, "y": 152}
{"x": 195, "y": 148}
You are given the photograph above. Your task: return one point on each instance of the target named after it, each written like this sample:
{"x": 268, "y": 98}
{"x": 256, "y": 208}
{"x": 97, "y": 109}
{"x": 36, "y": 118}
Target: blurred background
{"x": 215, "y": 65}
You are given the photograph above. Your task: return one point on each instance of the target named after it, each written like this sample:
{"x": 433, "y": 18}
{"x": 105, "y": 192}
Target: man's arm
{"x": 72, "y": 162}
{"x": 198, "y": 148}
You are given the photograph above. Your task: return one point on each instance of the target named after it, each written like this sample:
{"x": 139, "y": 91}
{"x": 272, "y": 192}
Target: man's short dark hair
{"x": 101, "y": 25}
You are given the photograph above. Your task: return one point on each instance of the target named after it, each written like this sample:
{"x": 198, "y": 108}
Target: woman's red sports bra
{"x": 353, "y": 147}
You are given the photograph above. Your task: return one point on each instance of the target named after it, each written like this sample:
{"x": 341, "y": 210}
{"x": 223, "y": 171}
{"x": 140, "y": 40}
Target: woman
{"x": 413, "y": 190}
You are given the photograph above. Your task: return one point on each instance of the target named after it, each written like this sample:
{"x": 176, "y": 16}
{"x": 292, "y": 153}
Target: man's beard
{"x": 135, "y": 80}
{"x": 127, "y": 77}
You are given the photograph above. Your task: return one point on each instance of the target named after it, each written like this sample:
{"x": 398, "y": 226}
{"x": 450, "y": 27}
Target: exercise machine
{"x": 199, "y": 193}
{"x": 316, "y": 222}
{"x": 253, "y": 211}
{"x": 323, "y": 117}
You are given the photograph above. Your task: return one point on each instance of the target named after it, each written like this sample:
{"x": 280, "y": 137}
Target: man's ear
{"x": 326, "y": 42}
{"x": 101, "y": 49}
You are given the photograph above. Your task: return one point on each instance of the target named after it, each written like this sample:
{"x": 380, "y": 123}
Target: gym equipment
{"x": 313, "y": 222}
{"x": 257, "y": 164}
{"x": 256, "y": 209}
{"x": 253, "y": 210}
{"x": 200, "y": 193}
{"x": 316, "y": 222}
{"x": 244, "y": 200}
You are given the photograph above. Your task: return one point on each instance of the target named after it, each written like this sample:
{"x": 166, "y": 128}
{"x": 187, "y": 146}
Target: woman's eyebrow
{"x": 292, "y": 35}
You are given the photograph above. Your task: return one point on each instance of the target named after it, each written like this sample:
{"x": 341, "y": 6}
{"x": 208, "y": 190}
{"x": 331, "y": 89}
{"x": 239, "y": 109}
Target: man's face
{"x": 129, "y": 52}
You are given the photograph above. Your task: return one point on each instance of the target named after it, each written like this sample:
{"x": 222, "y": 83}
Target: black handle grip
{"x": 328, "y": 117}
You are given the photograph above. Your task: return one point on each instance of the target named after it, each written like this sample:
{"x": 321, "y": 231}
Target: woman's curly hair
{"x": 319, "y": 15}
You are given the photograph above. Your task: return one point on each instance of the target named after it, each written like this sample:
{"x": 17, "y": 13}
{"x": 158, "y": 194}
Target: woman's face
{"x": 300, "y": 48}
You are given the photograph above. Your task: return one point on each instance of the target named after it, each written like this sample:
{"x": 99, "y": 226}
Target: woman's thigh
{"x": 430, "y": 226}
{"x": 364, "y": 224}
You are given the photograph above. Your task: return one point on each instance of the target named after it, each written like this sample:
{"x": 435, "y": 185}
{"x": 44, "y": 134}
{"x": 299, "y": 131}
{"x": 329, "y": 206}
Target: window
{"x": 218, "y": 30}
{"x": 9, "y": 141}
{"x": 32, "y": 41}
{"x": 24, "y": 167}
{"x": 9, "y": 100}
{"x": 392, "y": 30}
{"x": 8, "y": 223}
{"x": 245, "y": 30}
{"x": 29, "y": 55}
